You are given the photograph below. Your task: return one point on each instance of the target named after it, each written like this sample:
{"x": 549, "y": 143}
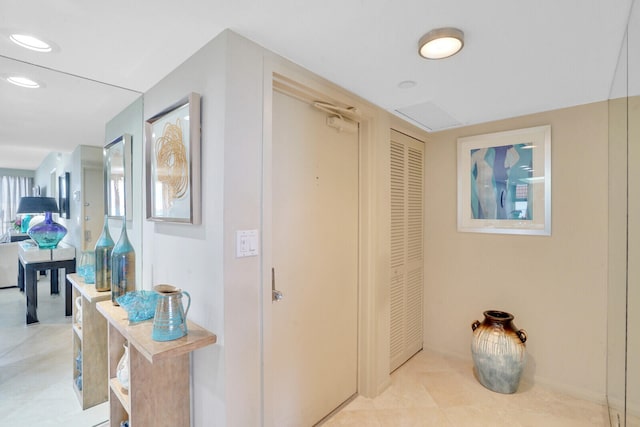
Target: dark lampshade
{"x": 37, "y": 205}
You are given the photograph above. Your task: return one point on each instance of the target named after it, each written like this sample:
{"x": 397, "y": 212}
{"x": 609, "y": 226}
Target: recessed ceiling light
{"x": 441, "y": 43}
{"x": 23, "y": 82}
{"x": 31, "y": 42}
{"x": 407, "y": 84}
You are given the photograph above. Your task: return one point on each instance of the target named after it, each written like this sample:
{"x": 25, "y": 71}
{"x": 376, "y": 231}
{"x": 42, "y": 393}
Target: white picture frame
{"x": 504, "y": 182}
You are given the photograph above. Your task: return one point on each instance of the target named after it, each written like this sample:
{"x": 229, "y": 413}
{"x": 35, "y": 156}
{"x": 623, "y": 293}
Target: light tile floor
{"x": 429, "y": 390}
{"x": 36, "y": 361}
{"x": 432, "y": 390}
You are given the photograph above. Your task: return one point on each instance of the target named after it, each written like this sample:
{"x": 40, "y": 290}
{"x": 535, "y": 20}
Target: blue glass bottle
{"x": 123, "y": 266}
{"x": 103, "y": 249}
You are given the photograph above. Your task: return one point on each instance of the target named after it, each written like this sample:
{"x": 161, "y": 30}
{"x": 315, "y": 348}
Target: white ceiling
{"x": 519, "y": 57}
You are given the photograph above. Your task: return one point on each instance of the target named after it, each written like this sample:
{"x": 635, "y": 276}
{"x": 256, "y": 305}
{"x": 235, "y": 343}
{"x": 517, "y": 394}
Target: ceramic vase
{"x": 498, "y": 351}
{"x": 103, "y": 249}
{"x": 123, "y": 266}
{"x": 170, "y": 319}
{"x": 122, "y": 371}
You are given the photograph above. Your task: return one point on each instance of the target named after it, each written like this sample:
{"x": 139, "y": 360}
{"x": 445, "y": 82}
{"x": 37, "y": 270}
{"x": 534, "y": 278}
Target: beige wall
{"x": 617, "y": 264}
{"x": 633, "y": 296}
{"x": 555, "y": 286}
{"x": 230, "y": 295}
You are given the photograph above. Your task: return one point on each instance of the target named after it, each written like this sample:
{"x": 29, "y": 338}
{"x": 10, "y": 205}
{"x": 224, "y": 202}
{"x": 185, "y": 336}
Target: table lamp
{"x": 47, "y": 234}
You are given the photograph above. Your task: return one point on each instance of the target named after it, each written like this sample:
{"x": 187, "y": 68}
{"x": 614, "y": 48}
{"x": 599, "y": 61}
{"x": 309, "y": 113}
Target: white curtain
{"x": 12, "y": 188}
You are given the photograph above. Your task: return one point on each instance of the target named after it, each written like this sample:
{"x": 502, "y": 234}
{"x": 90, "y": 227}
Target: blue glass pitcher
{"x": 170, "y": 320}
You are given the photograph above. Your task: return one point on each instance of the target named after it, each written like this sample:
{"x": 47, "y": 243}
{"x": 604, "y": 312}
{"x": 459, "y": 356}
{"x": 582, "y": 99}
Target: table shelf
{"x": 159, "y": 372}
{"x": 90, "y": 340}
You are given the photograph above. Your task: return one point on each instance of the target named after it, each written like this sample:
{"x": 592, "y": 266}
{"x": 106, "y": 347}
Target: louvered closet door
{"x": 407, "y": 259}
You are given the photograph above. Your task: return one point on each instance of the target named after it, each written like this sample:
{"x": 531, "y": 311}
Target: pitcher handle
{"x": 188, "y": 305}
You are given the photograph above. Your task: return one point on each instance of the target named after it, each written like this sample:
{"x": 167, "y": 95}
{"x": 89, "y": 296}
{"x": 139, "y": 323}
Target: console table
{"x": 19, "y": 237}
{"x": 159, "y": 371}
{"x": 32, "y": 259}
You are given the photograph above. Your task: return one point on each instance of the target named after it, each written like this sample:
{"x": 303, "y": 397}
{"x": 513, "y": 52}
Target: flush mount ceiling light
{"x": 23, "y": 82}
{"x": 441, "y": 43}
{"x": 31, "y": 42}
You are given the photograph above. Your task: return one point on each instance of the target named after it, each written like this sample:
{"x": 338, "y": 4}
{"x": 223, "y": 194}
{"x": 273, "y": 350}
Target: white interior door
{"x": 92, "y": 193}
{"x": 315, "y": 261}
{"x": 407, "y": 248}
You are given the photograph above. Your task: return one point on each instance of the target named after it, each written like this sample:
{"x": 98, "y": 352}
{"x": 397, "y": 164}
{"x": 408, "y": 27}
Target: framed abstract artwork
{"x": 63, "y": 195}
{"x": 504, "y": 182}
{"x": 173, "y": 163}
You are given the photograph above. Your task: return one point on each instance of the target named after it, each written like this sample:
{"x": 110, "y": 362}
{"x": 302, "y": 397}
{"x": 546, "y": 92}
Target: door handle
{"x": 276, "y": 295}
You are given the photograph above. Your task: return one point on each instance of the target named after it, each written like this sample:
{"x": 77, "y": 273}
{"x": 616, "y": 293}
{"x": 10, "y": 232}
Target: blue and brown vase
{"x": 498, "y": 351}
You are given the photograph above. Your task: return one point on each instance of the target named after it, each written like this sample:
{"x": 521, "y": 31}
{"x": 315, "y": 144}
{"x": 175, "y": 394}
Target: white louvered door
{"x": 407, "y": 259}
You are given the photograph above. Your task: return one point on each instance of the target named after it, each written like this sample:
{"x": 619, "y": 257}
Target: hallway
{"x": 429, "y": 390}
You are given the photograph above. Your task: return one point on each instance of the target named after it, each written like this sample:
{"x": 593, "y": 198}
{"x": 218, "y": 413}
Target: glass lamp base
{"x": 48, "y": 233}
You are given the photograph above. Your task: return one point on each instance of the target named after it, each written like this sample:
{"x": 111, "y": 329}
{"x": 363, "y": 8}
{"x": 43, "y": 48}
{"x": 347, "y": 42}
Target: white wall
{"x": 60, "y": 162}
{"x": 233, "y": 75}
{"x": 82, "y": 156}
{"x": 191, "y": 256}
{"x": 16, "y": 172}
{"x": 555, "y": 286}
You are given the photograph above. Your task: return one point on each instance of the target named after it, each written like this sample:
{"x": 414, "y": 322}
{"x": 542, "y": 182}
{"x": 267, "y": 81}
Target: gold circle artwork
{"x": 172, "y": 166}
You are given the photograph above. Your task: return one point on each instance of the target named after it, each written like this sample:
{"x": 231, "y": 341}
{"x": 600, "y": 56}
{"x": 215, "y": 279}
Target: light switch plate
{"x": 246, "y": 243}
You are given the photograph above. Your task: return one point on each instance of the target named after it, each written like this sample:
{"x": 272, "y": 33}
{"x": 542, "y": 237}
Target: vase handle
{"x": 475, "y": 325}
{"x": 522, "y": 334}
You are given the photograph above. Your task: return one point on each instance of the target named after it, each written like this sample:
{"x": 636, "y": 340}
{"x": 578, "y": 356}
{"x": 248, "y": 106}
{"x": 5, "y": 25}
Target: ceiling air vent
{"x": 429, "y": 116}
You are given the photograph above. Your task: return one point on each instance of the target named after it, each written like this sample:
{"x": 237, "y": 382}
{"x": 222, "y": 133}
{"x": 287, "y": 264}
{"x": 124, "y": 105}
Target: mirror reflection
{"x": 117, "y": 176}
{"x": 59, "y": 129}
{"x": 63, "y": 113}
{"x": 623, "y": 338}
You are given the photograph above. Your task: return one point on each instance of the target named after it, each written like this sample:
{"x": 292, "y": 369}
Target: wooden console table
{"x": 90, "y": 376}
{"x": 32, "y": 259}
{"x": 158, "y": 393}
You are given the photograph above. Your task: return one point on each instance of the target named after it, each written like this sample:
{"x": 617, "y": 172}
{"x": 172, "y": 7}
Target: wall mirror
{"x": 69, "y": 112}
{"x": 117, "y": 177}
{"x": 623, "y": 288}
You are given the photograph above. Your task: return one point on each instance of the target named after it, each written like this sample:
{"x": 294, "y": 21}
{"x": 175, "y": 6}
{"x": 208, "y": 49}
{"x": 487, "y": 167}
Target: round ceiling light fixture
{"x": 441, "y": 43}
{"x": 23, "y": 82}
{"x": 31, "y": 42}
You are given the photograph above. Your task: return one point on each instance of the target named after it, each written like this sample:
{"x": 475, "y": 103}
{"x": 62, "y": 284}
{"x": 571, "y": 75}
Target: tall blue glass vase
{"x": 123, "y": 266}
{"x": 103, "y": 249}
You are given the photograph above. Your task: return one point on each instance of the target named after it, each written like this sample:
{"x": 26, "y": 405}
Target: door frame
{"x": 373, "y": 337}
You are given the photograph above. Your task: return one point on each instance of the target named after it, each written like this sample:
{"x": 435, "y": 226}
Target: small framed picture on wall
{"x": 173, "y": 163}
{"x": 63, "y": 195}
{"x": 504, "y": 182}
